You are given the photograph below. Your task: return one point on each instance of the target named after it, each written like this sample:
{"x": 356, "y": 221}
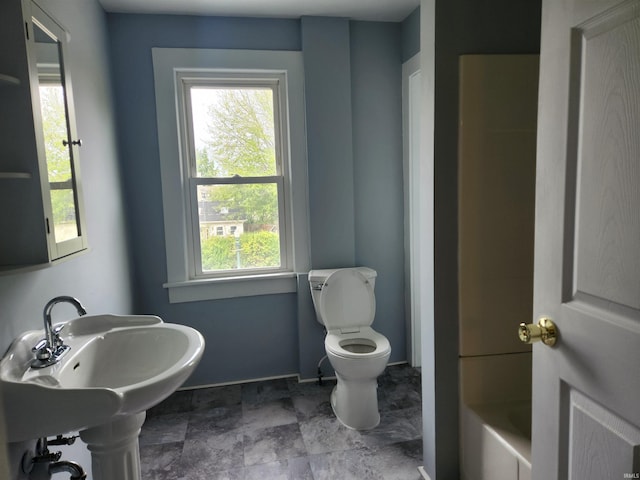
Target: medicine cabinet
{"x": 41, "y": 208}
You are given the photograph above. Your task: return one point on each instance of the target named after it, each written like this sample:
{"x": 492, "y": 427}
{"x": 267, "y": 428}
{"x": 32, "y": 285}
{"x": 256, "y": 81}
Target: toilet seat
{"x": 347, "y": 301}
{"x": 337, "y": 343}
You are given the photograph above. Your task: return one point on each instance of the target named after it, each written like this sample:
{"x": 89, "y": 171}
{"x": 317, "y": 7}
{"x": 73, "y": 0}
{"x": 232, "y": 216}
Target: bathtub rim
{"x": 494, "y": 417}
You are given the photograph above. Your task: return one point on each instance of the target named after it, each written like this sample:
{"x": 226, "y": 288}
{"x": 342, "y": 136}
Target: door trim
{"x": 414, "y": 209}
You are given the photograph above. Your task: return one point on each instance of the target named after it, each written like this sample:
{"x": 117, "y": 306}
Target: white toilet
{"x": 345, "y": 304}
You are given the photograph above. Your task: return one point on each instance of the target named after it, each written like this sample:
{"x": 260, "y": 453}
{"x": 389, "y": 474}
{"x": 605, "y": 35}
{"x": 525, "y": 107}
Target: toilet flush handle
{"x": 545, "y": 330}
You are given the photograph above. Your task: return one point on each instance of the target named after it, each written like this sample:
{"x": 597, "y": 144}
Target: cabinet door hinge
{"x": 48, "y": 228}
{"x": 26, "y": 29}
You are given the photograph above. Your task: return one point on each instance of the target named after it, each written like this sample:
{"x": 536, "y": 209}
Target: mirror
{"x": 56, "y": 136}
{"x": 60, "y": 144}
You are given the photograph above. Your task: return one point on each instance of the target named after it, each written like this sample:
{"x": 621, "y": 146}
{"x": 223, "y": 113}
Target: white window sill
{"x": 231, "y": 287}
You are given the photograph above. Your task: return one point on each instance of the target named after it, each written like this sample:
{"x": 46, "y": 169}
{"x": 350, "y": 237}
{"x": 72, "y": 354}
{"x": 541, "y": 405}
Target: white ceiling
{"x": 383, "y": 10}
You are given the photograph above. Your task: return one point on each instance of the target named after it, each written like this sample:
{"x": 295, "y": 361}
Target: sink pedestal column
{"x": 114, "y": 448}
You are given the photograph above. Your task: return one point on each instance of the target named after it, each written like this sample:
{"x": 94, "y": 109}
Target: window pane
{"x": 65, "y": 226}
{"x": 54, "y": 126}
{"x": 233, "y": 131}
{"x": 239, "y": 226}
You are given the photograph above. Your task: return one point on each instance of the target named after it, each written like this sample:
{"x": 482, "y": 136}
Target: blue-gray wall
{"x": 376, "y": 80}
{"x": 353, "y": 102}
{"x": 411, "y": 35}
{"x": 327, "y": 79}
{"x": 100, "y": 277}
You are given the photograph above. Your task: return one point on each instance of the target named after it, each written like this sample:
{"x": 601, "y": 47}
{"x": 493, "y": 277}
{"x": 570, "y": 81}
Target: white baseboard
{"x": 423, "y": 473}
{"x": 262, "y": 379}
{"x": 238, "y": 382}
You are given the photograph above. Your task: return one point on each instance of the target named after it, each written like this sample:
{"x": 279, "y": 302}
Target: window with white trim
{"x": 233, "y": 161}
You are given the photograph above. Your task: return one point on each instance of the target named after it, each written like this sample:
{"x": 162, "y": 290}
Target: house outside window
{"x": 233, "y": 161}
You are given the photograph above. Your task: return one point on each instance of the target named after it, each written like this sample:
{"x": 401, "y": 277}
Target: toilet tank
{"x": 317, "y": 278}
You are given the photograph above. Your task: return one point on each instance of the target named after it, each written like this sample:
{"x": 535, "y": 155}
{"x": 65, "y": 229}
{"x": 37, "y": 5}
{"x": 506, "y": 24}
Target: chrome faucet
{"x": 50, "y": 349}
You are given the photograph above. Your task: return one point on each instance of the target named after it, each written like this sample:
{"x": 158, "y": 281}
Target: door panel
{"x": 603, "y": 444}
{"x": 586, "y": 390}
{"x": 608, "y": 153}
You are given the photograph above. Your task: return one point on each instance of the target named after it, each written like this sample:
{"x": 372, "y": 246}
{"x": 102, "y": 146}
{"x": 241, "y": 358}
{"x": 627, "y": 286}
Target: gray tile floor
{"x": 282, "y": 429}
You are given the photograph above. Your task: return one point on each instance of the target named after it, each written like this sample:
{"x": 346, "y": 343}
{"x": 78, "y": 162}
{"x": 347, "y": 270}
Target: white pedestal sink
{"x": 117, "y": 368}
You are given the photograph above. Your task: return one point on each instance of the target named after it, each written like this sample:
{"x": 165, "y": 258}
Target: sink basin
{"x": 117, "y": 366}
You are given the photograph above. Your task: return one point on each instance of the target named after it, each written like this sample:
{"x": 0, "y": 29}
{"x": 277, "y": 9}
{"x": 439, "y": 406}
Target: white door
{"x": 586, "y": 401}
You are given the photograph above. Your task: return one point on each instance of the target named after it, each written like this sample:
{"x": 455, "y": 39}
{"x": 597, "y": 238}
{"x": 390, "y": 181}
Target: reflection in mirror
{"x": 56, "y": 135}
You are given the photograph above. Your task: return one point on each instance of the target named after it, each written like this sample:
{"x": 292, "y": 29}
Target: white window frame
{"x": 171, "y": 67}
{"x": 276, "y": 83}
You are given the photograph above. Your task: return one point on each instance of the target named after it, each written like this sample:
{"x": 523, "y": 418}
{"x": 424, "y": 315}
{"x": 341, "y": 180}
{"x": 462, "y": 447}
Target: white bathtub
{"x": 496, "y": 441}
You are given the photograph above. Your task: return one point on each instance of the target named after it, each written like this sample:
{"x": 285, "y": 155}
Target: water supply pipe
{"x": 76, "y": 471}
{"x": 49, "y": 462}
{"x": 320, "y": 370}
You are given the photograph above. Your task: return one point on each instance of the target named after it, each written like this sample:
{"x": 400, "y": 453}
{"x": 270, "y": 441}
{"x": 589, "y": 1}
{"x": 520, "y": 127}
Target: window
{"x": 232, "y": 153}
{"x": 233, "y": 156}
{"x": 59, "y": 167}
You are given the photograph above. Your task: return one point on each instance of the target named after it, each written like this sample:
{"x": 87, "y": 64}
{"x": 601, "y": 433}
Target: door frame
{"x": 414, "y": 208}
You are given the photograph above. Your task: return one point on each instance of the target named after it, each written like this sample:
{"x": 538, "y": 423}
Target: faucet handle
{"x": 43, "y": 353}
{"x": 55, "y": 332}
{"x": 40, "y": 345}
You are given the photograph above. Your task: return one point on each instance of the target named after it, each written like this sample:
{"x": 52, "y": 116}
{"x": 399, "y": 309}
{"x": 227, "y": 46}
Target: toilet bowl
{"x": 344, "y": 301}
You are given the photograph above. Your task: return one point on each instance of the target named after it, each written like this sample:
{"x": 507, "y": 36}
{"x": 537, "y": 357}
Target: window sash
{"x": 230, "y": 80}
{"x": 194, "y": 231}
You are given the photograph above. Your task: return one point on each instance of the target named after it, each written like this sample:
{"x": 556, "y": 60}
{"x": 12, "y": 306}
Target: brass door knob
{"x": 545, "y": 330}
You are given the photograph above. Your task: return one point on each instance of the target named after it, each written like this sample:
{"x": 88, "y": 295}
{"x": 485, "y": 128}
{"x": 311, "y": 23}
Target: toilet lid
{"x": 347, "y": 300}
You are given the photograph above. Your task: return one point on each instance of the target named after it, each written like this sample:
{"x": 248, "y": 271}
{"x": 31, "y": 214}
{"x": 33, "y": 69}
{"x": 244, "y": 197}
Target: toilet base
{"x": 355, "y": 403}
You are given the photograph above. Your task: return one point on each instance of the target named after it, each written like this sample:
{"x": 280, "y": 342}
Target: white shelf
{"x": 14, "y": 175}
{"x": 8, "y": 80}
